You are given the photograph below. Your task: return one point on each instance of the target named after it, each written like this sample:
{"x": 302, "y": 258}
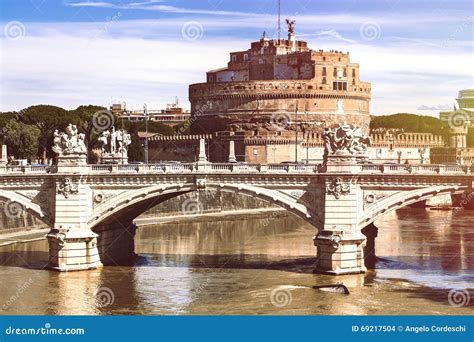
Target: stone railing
{"x": 26, "y": 169}
{"x": 414, "y": 169}
{"x": 179, "y": 168}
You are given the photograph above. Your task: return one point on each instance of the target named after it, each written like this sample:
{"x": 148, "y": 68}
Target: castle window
{"x": 335, "y": 72}
{"x": 234, "y": 58}
{"x": 246, "y": 57}
{"x": 324, "y": 80}
{"x": 324, "y": 58}
{"x": 345, "y": 72}
{"x": 339, "y": 85}
{"x": 324, "y": 71}
{"x": 353, "y": 81}
{"x": 353, "y": 73}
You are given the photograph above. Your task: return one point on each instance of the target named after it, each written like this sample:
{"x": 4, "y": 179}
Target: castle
{"x": 280, "y": 82}
{"x": 273, "y": 101}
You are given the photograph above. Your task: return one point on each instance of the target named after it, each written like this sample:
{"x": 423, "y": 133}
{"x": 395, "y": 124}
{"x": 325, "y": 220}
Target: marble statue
{"x": 70, "y": 143}
{"x": 115, "y": 142}
{"x": 345, "y": 138}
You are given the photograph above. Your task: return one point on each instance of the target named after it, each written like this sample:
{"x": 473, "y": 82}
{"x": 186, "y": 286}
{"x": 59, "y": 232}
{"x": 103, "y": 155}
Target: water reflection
{"x": 232, "y": 267}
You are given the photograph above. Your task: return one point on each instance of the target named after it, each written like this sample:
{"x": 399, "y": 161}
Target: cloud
{"x": 91, "y": 4}
{"x": 147, "y": 60}
{"x": 332, "y": 34}
{"x": 151, "y": 6}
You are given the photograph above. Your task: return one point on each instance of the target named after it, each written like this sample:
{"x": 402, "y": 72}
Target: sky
{"x": 416, "y": 54}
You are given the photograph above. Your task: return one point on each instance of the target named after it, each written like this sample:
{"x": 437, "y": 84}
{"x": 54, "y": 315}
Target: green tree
{"x": 5, "y": 118}
{"x": 409, "y": 123}
{"x": 21, "y": 140}
{"x": 46, "y": 118}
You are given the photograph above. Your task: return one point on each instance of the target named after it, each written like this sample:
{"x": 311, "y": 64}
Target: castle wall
{"x": 277, "y": 147}
{"x": 184, "y": 148}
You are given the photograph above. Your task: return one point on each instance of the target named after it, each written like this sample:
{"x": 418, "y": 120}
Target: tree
{"x": 409, "y": 123}
{"x": 46, "y": 119}
{"x": 5, "y": 118}
{"x": 21, "y": 140}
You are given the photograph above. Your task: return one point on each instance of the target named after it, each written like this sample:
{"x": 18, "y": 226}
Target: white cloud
{"x": 151, "y": 6}
{"x": 69, "y": 64}
{"x": 91, "y": 4}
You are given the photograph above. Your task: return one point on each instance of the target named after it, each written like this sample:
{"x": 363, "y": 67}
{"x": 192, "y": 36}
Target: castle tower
{"x": 263, "y": 87}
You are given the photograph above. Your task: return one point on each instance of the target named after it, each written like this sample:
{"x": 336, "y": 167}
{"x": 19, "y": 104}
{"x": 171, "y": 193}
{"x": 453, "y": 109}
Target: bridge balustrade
{"x": 238, "y": 167}
{"x": 221, "y": 167}
{"x": 101, "y": 168}
{"x": 372, "y": 168}
{"x": 25, "y": 169}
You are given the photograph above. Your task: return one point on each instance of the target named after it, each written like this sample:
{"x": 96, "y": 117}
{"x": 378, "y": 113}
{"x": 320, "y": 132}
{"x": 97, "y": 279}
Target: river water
{"x": 255, "y": 266}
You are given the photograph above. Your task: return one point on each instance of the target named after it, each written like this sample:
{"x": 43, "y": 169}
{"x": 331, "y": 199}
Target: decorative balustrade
{"x": 175, "y": 168}
{"x": 26, "y": 169}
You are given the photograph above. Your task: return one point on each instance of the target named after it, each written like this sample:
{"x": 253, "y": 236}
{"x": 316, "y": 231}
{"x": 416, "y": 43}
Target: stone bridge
{"x": 91, "y": 208}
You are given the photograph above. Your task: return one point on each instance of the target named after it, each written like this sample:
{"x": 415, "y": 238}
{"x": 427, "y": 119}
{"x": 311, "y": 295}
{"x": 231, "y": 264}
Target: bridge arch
{"x": 14, "y": 199}
{"x": 131, "y": 204}
{"x": 405, "y": 198}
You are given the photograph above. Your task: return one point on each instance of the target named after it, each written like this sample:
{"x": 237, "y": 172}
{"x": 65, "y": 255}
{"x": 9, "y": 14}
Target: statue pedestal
{"x": 343, "y": 161}
{"x": 72, "y": 160}
{"x": 117, "y": 158}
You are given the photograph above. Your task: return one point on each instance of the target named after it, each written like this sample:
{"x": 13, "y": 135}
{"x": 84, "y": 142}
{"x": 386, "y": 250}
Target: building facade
{"x": 173, "y": 114}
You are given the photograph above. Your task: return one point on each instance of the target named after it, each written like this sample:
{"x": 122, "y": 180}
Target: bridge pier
{"x": 73, "y": 250}
{"x": 339, "y": 252}
{"x": 72, "y": 245}
{"x": 465, "y": 200}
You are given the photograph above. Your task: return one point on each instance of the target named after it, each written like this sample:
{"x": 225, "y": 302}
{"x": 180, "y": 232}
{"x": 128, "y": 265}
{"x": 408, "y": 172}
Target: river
{"x": 255, "y": 266}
